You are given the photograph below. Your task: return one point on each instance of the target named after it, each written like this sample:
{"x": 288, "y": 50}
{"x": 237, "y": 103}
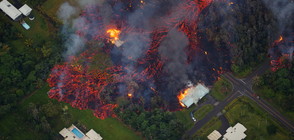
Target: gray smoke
{"x": 283, "y": 11}
{"x": 66, "y": 12}
{"x": 172, "y": 49}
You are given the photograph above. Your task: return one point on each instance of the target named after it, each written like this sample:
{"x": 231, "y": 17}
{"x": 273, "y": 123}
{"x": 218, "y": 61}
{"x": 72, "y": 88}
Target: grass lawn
{"x": 221, "y": 89}
{"x": 184, "y": 116}
{"x": 243, "y": 73}
{"x": 255, "y": 120}
{"x": 14, "y": 123}
{"x": 213, "y": 124}
{"x": 52, "y": 6}
{"x": 201, "y": 112}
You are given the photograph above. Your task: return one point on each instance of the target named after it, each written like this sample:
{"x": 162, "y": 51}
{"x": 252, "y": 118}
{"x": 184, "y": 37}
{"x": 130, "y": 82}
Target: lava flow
{"x": 139, "y": 67}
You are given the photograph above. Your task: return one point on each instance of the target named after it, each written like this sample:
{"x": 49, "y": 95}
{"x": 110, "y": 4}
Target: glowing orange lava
{"x": 114, "y": 35}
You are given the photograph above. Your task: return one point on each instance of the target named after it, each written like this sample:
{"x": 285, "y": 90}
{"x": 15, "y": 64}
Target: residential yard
{"x": 201, "y": 112}
{"x": 184, "y": 116}
{"x": 260, "y": 125}
{"x": 221, "y": 89}
{"x": 213, "y": 124}
{"x": 51, "y": 6}
{"x": 15, "y": 126}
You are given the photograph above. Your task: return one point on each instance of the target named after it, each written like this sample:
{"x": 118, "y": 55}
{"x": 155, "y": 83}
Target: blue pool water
{"x": 26, "y": 26}
{"x": 77, "y": 133}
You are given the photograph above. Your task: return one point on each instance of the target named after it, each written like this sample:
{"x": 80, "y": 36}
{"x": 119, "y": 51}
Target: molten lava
{"x": 86, "y": 87}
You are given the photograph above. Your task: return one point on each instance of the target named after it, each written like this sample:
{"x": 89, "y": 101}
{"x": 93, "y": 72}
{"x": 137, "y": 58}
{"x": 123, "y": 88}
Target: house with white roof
{"x": 10, "y": 10}
{"x": 235, "y": 133}
{"x": 73, "y": 133}
{"x": 194, "y": 94}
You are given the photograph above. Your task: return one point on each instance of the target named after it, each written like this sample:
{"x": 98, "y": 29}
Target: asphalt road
{"x": 242, "y": 87}
{"x": 247, "y": 91}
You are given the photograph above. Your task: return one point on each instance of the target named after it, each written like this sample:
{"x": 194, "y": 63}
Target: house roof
{"x": 93, "y": 135}
{"x": 195, "y": 93}
{"x": 9, "y": 9}
{"x": 69, "y": 135}
{"x": 25, "y": 10}
{"x": 215, "y": 135}
{"x": 235, "y": 133}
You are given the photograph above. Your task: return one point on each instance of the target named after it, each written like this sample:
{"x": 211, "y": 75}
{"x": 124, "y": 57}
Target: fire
{"x": 130, "y": 95}
{"x": 114, "y": 35}
{"x": 182, "y": 95}
{"x": 230, "y": 3}
{"x": 280, "y": 39}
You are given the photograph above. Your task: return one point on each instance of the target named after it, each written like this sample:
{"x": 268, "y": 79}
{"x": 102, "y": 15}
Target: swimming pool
{"x": 25, "y": 25}
{"x": 77, "y": 133}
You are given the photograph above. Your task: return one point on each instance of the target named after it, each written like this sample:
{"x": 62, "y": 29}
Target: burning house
{"x": 192, "y": 95}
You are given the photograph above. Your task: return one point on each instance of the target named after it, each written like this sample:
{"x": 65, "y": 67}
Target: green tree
{"x": 271, "y": 129}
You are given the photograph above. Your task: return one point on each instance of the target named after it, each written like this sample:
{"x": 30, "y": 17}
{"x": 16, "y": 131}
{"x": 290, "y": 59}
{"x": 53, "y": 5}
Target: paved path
{"x": 225, "y": 124}
{"x": 242, "y": 87}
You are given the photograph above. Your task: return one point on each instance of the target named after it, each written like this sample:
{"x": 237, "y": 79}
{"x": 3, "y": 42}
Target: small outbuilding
{"x": 25, "y": 10}
{"x": 215, "y": 135}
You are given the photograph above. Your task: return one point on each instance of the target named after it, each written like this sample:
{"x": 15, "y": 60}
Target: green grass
{"x": 221, "y": 89}
{"x": 254, "y": 119}
{"x": 213, "y": 124}
{"x": 14, "y": 123}
{"x": 51, "y": 6}
{"x": 243, "y": 73}
{"x": 184, "y": 116}
{"x": 201, "y": 112}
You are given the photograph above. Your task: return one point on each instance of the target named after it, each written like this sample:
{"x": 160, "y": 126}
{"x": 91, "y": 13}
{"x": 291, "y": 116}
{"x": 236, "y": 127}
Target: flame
{"x": 182, "y": 95}
{"x": 130, "y": 95}
{"x": 281, "y": 38}
{"x": 114, "y": 35}
{"x": 230, "y": 3}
